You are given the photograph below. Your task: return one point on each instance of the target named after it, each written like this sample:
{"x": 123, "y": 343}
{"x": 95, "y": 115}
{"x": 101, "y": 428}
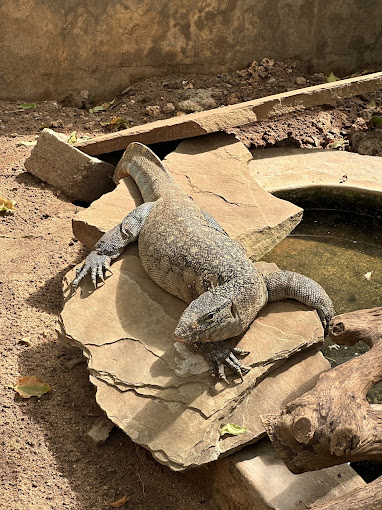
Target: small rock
{"x": 368, "y": 143}
{"x": 57, "y": 124}
{"x": 101, "y": 429}
{"x": 84, "y": 94}
{"x": 270, "y": 79}
{"x": 262, "y": 72}
{"x": 187, "y": 85}
{"x": 190, "y": 106}
{"x": 233, "y": 99}
{"x": 153, "y": 111}
{"x": 318, "y": 78}
{"x": 168, "y": 108}
{"x": 173, "y": 84}
{"x": 323, "y": 121}
{"x": 267, "y": 63}
{"x": 300, "y": 80}
{"x": 359, "y": 125}
{"x": 74, "y": 101}
{"x": 366, "y": 114}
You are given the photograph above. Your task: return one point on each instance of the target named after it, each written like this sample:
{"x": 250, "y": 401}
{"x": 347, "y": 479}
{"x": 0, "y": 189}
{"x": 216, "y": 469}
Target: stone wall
{"x": 49, "y": 48}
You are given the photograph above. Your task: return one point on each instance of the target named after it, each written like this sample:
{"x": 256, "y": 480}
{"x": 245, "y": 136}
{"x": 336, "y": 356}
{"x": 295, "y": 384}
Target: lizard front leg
{"x": 288, "y": 284}
{"x": 112, "y": 244}
{"x": 218, "y": 355}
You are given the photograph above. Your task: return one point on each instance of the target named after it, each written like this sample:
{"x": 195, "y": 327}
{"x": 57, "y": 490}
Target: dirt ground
{"x": 47, "y": 461}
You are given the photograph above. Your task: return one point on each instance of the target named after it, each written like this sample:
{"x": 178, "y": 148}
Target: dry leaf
{"x": 7, "y": 205}
{"x": 117, "y": 123}
{"x": 72, "y": 138}
{"x": 26, "y": 143}
{"x": 332, "y": 77}
{"x": 232, "y": 429}
{"x": 28, "y": 106}
{"x": 31, "y": 386}
{"x": 120, "y": 502}
{"x": 26, "y": 340}
{"x": 103, "y": 107}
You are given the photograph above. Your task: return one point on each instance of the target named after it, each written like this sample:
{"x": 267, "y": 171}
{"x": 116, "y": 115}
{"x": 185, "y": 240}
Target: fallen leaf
{"x": 31, "y": 386}
{"x": 337, "y": 144}
{"x": 26, "y": 143}
{"x": 72, "y": 138}
{"x": 368, "y": 275}
{"x": 7, "y": 205}
{"x": 28, "y": 106}
{"x": 120, "y": 502}
{"x": 375, "y": 120}
{"x": 232, "y": 429}
{"x": 103, "y": 107}
{"x": 117, "y": 123}
{"x": 332, "y": 77}
{"x": 26, "y": 340}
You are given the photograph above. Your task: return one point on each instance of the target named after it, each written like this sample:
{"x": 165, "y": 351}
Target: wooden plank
{"x": 228, "y": 117}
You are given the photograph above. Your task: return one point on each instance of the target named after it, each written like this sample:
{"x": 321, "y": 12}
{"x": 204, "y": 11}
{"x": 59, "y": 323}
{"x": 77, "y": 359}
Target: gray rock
{"x": 101, "y": 429}
{"x": 79, "y": 176}
{"x": 368, "y": 143}
{"x": 300, "y": 80}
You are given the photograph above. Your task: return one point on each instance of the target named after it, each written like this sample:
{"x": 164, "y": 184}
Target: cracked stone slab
{"x": 79, "y": 176}
{"x": 213, "y": 170}
{"x": 160, "y": 392}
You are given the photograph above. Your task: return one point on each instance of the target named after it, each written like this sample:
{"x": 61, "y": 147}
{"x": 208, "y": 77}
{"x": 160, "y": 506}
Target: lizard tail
{"x": 146, "y": 169}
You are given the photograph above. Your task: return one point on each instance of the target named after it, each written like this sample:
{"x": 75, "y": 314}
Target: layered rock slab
{"x": 213, "y": 170}
{"x": 79, "y": 176}
{"x": 160, "y": 392}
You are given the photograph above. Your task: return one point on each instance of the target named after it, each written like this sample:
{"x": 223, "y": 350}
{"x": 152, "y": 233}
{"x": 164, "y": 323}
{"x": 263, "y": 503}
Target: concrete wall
{"x": 49, "y": 48}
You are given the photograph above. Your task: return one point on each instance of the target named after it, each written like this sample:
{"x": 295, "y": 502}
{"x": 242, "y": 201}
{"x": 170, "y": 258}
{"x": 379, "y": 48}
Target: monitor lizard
{"x": 185, "y": 251}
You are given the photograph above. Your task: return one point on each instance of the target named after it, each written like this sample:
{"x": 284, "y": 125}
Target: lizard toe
{"x": 236, "y": 351}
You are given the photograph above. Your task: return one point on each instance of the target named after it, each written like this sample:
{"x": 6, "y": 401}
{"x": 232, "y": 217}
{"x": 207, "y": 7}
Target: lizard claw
{"x": 95, "y": 264}
{"x": 219, "y": 355}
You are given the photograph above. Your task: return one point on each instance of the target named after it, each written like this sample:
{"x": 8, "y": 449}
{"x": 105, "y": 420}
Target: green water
{"x": 337, "y": 249}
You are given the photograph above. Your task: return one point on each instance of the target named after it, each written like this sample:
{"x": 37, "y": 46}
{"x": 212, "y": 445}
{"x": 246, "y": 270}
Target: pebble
{"x": 168, "y": 108}
{"x": 300, "y": 80}
{"x": 152, "y": 110}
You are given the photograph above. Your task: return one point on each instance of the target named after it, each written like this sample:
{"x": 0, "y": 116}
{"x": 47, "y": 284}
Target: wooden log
{"x": 334, "y": 423}
{"x": 228, "y": 117}
{"x": 365, "y": 498}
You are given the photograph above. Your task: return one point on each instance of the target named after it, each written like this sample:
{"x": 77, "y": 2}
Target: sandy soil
{"x": 47, "y": 461}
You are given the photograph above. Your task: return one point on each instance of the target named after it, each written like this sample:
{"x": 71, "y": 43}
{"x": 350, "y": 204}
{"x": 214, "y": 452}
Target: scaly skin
{"x": 186, "y": 252}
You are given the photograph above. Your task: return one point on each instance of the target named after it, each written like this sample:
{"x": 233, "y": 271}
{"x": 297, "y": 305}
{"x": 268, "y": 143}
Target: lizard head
{"x": 210, "y": 318}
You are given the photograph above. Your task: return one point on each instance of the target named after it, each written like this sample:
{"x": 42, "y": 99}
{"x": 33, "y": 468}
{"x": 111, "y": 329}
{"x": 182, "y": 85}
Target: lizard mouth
{"x": 180, "y": 339}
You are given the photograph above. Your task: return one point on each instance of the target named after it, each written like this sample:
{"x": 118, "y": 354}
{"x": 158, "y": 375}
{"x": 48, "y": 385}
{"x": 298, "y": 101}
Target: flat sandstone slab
{"x": 213, "y": 170}
{"x": 159, "y": 391}
{"x": 289, "y": 169}
{"x": 228, "y": 117}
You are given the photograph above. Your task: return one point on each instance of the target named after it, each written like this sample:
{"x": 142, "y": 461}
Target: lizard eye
{"x": 209, "y": 317}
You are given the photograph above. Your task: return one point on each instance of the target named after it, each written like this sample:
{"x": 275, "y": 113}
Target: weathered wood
{"x": 228, "y": 117}
{"x": 334, "y": 423}
{"x": 365, "y": 498}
